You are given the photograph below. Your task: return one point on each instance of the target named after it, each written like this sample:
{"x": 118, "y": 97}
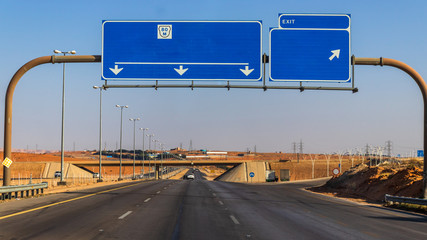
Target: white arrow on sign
{"x": 246, "y": 71}
{"x": 335, "y": 53}
{"x": 181, "y": 70}
{"x": 116, "y": 70}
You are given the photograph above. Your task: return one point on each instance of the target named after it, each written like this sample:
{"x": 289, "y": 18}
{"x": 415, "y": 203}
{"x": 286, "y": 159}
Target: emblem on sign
{"x": 164, "y": 31}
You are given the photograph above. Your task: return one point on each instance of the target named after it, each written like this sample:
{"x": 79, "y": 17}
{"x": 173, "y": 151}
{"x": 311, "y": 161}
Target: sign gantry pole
{"x": 9, "y": 99}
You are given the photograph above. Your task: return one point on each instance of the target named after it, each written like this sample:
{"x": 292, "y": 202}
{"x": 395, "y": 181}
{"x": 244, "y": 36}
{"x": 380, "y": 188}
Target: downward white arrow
{"x": 116, "y": 70}
{"x": 335, "y": 53}
{"x": 246, "y": 71}
{"x": 181, "y": 70}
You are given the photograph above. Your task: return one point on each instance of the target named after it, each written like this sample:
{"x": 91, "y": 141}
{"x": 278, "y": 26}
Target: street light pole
{"x": 134, "y": 122}
{"x": 62, "y": 182}
{"x": 121, "y": 127}
{"x": 100, "y": 132}
{"x": 155, "y": 148}
{"x": 143, "y": 149}
{"x": 161, "y": 157}
{"x": 155, "y": 160}
{"x": 149, "y": 141}
{"x": 149, "y": 149}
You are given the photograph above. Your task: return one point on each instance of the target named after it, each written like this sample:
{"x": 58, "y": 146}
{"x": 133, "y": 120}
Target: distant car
{"x": 190, "y": 176}
{"x": 57, "y": 174}
{"x": 95, "y": 175}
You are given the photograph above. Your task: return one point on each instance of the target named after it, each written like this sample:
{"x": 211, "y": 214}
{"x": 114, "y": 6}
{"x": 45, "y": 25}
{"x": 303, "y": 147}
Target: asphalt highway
{"x": 200, "y": 209}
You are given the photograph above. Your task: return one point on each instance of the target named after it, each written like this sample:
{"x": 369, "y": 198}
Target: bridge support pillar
{"x": 157, "y": 172}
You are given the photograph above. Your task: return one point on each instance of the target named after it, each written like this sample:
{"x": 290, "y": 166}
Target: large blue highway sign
{"x": 182, "y": 50}
{"x": 311, "y": 47}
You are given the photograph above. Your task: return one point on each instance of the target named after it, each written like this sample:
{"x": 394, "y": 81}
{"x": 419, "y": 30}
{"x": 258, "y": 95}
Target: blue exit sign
{"x": 311, "y": 47}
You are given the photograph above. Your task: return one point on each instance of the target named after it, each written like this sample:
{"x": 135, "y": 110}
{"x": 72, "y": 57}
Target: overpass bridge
{"x": 158, "y": 163}
{"x": 170, "y": 163}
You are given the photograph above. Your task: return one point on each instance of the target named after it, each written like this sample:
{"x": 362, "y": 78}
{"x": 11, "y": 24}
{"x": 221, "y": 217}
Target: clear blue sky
{"x": 387, "y": 107}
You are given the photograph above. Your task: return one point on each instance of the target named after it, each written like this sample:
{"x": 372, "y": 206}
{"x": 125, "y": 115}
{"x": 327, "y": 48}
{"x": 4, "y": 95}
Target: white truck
{"x": 270, "y": 176}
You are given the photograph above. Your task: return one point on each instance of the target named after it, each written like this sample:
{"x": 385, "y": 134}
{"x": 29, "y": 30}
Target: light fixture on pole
{"x": 143, "y": 149}
{"x": 134, "y": 132}
{"x": 121, "y": 128}
{"x": 155, "y": 147}
{"x": 100, "y": 132}
{"x": 149, "y": 141}
{"x": 62, "y": 182}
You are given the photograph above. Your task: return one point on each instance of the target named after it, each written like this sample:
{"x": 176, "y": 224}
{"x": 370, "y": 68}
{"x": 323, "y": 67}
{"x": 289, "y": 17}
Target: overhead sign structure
{"x": 311, "y": 47}
{"x": 182, "y": 50}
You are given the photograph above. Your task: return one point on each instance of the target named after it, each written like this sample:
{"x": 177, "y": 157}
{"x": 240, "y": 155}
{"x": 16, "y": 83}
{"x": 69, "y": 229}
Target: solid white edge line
{"x": 125, "y": 215}
{"x": 234, "y": 219}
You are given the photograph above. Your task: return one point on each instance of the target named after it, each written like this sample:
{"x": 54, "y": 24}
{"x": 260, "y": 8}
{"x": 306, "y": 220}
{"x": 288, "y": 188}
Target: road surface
{"x": 200, "y": 209}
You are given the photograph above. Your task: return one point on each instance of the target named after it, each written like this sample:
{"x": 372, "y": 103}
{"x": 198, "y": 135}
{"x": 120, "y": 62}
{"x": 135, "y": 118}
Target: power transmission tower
{"x": 389, "y": 147}
{"x": 180, "y": 145}
{"x": 191, "y": 146}
{"x": 255, "y": 149}
{"x": 300, "y": 147}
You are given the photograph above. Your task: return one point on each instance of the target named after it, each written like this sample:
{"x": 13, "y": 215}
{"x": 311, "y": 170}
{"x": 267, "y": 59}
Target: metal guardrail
{"x": 418, "y": 201}
{"x": 7, "y": 191}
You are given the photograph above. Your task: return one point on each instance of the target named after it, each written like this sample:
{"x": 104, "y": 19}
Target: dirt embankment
{"x": 372, "y": 183}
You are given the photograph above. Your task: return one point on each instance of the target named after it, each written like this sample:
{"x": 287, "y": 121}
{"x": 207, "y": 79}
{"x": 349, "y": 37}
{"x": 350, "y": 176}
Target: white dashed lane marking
{"x": 234, "y": 219}
{"x": 221, "y": 203}
{"x": 148, "y": 199}
{"x": 125, "y": 215}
